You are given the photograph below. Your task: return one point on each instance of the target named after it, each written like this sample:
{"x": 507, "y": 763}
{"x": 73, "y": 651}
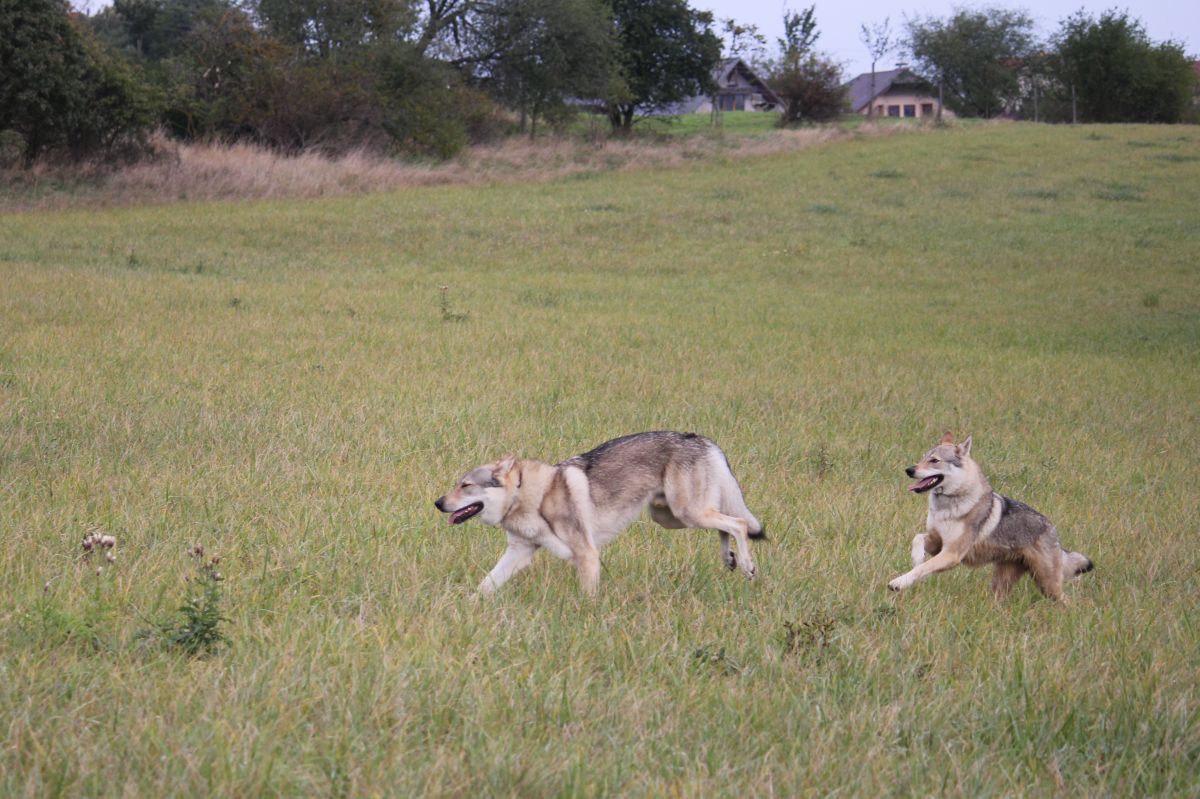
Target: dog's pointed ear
{"x": 965, "y": 447}
{"x": 505, "y": 464}
{"x": 947, "y": 437}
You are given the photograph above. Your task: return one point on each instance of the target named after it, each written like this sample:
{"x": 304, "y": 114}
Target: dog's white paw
{"x": 900, "y": 583}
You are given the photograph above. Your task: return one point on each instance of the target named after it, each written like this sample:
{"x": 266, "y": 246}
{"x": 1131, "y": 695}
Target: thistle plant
{"x": 197, "y": 628}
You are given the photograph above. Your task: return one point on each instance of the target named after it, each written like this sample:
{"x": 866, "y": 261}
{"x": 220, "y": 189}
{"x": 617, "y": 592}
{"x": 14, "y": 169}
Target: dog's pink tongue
{"x": 922, "y": 484}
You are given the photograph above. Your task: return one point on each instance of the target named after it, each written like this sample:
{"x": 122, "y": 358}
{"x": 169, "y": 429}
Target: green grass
{"x": 739, "y": 123}
{"x": 286, "y": 383}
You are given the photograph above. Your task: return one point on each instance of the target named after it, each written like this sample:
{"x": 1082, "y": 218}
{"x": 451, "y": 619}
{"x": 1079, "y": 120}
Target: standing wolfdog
{"x": 971, "y": 524}
{"x": 575, "y": 507}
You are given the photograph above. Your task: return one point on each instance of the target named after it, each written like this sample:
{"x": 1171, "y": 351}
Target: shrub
{"x": 812, "y": 90}
{"x": 63, "y": 92}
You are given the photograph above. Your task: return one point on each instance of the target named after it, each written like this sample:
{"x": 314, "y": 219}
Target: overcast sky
{"x": 839, "y": 23}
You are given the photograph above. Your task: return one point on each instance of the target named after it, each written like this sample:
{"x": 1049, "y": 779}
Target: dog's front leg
{"x": 938, "y": 563}
{"x": 518, "y": 555}
{"x": 584, "y": 555}
{"x": 918, "y": 550}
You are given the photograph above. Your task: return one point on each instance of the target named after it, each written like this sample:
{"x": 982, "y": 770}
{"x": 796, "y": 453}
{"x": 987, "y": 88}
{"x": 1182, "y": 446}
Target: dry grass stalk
{"x": 238, "y": 171}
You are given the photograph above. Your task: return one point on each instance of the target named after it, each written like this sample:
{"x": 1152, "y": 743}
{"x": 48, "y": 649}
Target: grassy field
{"x": 731, "y": 123}
{"x": 287, "y": 384}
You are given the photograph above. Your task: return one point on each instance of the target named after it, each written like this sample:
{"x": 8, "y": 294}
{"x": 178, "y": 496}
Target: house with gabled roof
{"x": 896, "y": 93}
{"x": 739, "y": 88}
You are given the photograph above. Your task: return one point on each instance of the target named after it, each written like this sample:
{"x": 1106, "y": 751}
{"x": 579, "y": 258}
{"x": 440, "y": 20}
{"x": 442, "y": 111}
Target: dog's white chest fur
{"x": 535, "y": 530}
{"x": 950, "y": 523}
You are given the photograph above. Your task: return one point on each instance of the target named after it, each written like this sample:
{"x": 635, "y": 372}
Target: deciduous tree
{"x": 543, "y": 51}
{"x": 1119, "y": 75}
{"x": 878, "y": 40}
{"x": 666, "y": 52}
{"x": 974, "y": 56}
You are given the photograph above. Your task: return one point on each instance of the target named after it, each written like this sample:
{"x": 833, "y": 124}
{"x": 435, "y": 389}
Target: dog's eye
{"x": 934, "y": 460}
{"x": 465, "y": 485}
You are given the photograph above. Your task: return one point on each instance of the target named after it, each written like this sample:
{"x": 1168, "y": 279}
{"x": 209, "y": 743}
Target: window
{"x": 893, "y": 110}
{"x": 739, "y": 102}
{"x": 926, "y": 109}
{"x": 879, "y": 108}
{"x": 910, "y": 110}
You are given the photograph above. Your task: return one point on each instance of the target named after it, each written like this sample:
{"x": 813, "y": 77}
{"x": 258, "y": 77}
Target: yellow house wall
{"x": 903, "y": 100}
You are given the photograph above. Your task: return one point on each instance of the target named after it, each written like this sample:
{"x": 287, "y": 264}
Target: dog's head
{"x": 945, "y": 469}
{"x": 485, "y": 491}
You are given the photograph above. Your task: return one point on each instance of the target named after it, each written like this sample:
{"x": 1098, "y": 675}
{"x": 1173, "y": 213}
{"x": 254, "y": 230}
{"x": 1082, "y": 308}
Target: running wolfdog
{"x": 970, "y": 523}
{"x": 576, "y": 507}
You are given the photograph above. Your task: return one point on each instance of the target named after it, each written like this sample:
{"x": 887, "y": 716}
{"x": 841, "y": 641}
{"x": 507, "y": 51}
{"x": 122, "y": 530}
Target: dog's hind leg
{"x": 1046, "y": 567}
{"x": 712, "y": 519}
{"x": 1004, "y": 576}
{"x": 727, "y": 556}
{"x": 661, "y": 514}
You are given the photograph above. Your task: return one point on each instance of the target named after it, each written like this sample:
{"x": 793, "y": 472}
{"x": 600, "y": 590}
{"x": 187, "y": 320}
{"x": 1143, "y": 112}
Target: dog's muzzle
{"x": 925, "y": 483}
{"x": 462, "y": 514}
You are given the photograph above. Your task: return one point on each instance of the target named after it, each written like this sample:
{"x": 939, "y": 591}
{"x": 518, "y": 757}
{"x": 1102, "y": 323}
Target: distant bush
{"x": 61, "y": 91}
{"x": 812, "y": 90}
{"x": 12, "y": 148}
{"x": 427, "y": 109}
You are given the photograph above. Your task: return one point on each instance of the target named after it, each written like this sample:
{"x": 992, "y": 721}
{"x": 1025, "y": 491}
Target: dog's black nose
{"x": 437, "y": 503}
{"x": 911, "y": 471}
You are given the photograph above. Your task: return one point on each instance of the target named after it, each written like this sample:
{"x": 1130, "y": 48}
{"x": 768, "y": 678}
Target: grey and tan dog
{"x": 969, "y": 523}
{"x": 576, "y": 507}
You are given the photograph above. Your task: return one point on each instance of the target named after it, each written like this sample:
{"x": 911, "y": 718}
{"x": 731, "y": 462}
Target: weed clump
{"x": 196, "y": 630}
{"x": 448, "y": 314}
{"x": 812, "y": 635}
{"x": 711, "y": 656}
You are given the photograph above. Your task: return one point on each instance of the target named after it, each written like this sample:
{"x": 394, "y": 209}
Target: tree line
{"x": 1091, "y": 69}
{"x": 416, "y": 76}
{"x": 430, "y": 76}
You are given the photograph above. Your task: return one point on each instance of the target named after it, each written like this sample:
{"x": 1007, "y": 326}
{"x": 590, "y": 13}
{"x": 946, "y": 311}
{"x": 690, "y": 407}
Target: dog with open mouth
{"x": 971, "y": 524}
{"x": 574, "y": 508}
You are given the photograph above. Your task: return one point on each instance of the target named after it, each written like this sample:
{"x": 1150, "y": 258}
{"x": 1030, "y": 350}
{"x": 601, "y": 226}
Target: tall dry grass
{"x": 240, "y": 171}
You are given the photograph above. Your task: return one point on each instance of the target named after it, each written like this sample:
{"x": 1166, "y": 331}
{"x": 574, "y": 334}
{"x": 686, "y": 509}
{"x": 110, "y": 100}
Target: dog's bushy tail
{"x": 1075, "y": 564}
